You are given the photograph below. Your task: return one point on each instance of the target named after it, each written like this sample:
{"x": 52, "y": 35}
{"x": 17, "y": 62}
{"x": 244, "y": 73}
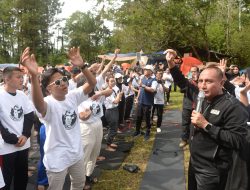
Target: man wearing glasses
{"x": 63, "y": 152}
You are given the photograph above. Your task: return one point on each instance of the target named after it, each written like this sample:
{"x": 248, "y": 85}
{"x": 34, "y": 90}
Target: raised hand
{"x": 29, "y": 61}
{"x": 116, "y": 52}
{"x": 75, "y": 57}
{"x": 223, "y": 65}
{"x": 170, "y": 55}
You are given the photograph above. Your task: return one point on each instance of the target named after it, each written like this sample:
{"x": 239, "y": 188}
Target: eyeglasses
{"x": 59, "y": 81}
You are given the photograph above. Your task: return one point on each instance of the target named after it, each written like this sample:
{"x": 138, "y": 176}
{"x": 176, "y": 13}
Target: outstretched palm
{"x": 29, "y": 61}
{"x": 223, "y": 65}
{"x": 75, "y": 57}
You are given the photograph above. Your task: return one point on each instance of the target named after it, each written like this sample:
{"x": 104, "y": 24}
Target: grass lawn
{"x": 139, "y": 155}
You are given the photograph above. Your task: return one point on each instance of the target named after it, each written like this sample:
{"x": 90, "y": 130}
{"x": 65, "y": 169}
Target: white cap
{"x": 118, "y": 75}
{"x": 149, "y": 67}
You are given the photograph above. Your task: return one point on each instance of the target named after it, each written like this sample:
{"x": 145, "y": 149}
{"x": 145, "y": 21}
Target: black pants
{"x": 121, "y": 108}
{"x": 143, "y": 110}
{"x": 168, "y": 93}
{"x": 128, "y": 106}
{"x": 103, "y": 118}
{"x": 206, "y": 180}
{"x": 159, "y": 110}
{"x": 185, "y": 123}
{"x": 15, "y": 165}
{"x": 112, "y": 117}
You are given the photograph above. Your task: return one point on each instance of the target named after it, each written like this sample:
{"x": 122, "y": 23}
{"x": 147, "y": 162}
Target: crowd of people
{"x": 71, "y": 109}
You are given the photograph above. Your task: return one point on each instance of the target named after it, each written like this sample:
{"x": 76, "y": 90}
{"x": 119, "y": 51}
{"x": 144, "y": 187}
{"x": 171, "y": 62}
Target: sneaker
{"x": 183, "y": 143}
{"x": 158, "y": 130}
{"x": 167, "y": 103}
{"x": 136, "y": 133}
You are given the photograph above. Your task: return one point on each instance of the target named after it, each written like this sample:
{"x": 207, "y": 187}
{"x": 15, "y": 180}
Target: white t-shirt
{"x": 2, "y": 184}
{"x": 63, "y": 144}
{"x": 12, "y": 111}
{"x": 110, "y": 99}
{"x": 72, "y": 85}
{"x": 99, "y": 82}
{"x": 127, "y": 91}
{"x": 159, "y": 96}
{"x": 237, "y": 93}
{"x": 168, "y": 79}
{"x": 95, "y": 107}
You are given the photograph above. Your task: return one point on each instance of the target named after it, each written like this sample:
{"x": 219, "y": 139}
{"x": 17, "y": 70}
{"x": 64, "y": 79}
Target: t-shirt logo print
{"x": 69, "y": 119}
{"x": 16, "y": 113}
{"x": 95, "y": 108}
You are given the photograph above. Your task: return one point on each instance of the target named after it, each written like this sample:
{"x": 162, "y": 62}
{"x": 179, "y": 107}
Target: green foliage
{"x": 197, "y": 25}
{"x": 88, "y": 32}
{"x": 26, "y": 23}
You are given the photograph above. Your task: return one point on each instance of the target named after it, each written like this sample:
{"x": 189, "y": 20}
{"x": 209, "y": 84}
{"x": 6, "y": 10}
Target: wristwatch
{"x": 208, "y": 127}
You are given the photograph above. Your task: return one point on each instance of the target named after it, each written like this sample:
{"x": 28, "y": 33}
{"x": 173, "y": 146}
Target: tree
{"x": 88, "y": 32}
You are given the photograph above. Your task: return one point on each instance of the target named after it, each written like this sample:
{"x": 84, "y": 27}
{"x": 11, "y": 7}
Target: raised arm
{"x": 29, "y": 61}
{"x": 101, "y": 65}
{"x": 243, "y": 95}
{"x": 76, "y": 60}
{"x": 109, "y": 65}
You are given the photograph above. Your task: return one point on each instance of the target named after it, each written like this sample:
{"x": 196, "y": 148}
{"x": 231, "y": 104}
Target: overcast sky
{"x": 71, "y": 6}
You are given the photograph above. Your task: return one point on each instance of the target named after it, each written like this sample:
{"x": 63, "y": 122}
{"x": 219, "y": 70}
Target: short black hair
{"x": 8, "y": 71}
{"x": 217, "y": 69}
{"x": 46, "y": 76}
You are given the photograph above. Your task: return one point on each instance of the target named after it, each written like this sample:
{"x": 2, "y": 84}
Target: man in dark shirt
{"x": 218, "y": 130}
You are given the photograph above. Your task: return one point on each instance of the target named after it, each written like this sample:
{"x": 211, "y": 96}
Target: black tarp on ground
{"x": 165, "y": 168}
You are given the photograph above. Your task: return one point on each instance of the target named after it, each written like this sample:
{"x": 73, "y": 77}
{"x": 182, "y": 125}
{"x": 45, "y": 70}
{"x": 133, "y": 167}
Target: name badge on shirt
{"x": 215, "y": 112}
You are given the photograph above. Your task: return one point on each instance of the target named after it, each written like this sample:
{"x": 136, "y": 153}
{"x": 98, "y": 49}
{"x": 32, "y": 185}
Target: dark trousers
{"x": 112, "y": 117}
{"x": 42, "y": 178}
{"x": 206, "y": 180}
{"x": 159, "y": 110}
{"x": 128, "y": 106}
{"x": 185, "y": 123}
{"x": 103, "y": 118}
{"x": 15, "y": 165}
{"x": 143, "y": 110}
{"x": 121, "y": 108}
{"x": 168, "y": 93}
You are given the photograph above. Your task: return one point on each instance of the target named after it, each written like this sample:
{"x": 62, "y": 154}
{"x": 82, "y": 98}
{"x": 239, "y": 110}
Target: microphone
{"x": 200, "y": 99}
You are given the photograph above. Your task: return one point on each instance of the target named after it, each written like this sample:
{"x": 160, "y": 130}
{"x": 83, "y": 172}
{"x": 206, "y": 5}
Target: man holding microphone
{"x": 220, "y": 128}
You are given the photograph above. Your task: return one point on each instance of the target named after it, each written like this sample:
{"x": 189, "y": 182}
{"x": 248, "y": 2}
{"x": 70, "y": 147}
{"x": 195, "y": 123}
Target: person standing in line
{"x": 63, "y": 152}
{"x": 145, "y": 100}
{"x": 112, "y": 114}
{"x": 73, "y": 82}
{"x": 168, "y": 83}
{"x": 218, "y": 131}
{"x": 189, "y": 100}
{"x": 17, "y": 118}
{"x": 90, "y": 113}
{"x": 159, "y": 99}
